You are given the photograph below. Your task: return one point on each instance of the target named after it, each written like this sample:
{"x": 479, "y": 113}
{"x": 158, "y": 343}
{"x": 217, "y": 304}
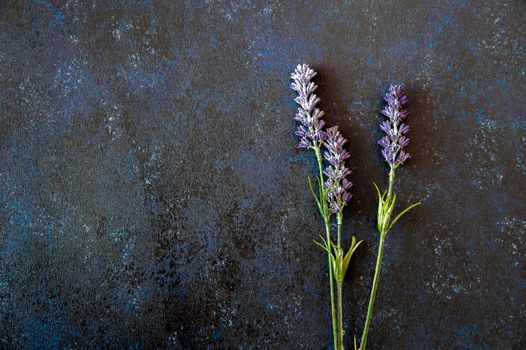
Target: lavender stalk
{"x": 333, "y": 185}
{"x": 311, "y": 136}
{"x": 393, "y": 144}
{"x": 338, "y": 185}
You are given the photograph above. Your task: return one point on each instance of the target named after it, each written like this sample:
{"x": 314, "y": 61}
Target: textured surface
{"x": 152, "y": 195}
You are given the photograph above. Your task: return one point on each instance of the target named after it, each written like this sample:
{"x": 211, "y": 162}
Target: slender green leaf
{"x": 380, "y": 208}
{"x": 314, "y": 195}
{"x": 325, "y": 242}
{"x": 337, "y": 249}
{"x": 388, "y": 211}
{"x": 322, "y": 246}
{"x": 352, "y": 249}
{"x": 377, "y": 189}
{"x": 392, "y": 204}
{"x": 355, "y": 246}
{"x": 382, "y": 196}
{"x": 401, "y": 214}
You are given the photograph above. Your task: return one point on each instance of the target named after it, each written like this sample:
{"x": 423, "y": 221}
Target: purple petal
{"x": 303, "y": 143}
{"x": 384, "y": 141}
{"x": 385, "y": 126}
{"x": 404, "y": 129}
{"x": 403, "y": 141}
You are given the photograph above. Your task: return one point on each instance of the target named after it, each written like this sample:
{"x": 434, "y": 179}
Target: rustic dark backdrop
{"x": 152, "y": 195}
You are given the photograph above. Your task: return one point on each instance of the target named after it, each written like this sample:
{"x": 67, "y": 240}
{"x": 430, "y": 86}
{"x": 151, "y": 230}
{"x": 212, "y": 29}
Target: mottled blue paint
{"x": 152, "y": 192}
{"x": 59, "y": 16}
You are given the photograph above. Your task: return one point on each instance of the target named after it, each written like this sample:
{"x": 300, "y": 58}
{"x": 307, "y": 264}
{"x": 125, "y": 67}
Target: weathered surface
{"x": 152, "y": 195}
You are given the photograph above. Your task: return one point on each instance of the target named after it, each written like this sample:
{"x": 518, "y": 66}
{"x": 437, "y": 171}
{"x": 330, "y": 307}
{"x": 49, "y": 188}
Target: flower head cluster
{"x": 311, "y": 129}
{"x": 312, "y": 135}
{"x": 394, "y": 142}
{"x": 337, "y": 173}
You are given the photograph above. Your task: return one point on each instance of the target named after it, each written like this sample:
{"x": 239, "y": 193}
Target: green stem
{"x": 339, "y": 287}
{"x": 331, "y": 287}
{"x": 326, "y": 218}
{"x": 317, "y": 150}
{"x": 340, "y": 316}
{"x": 339, "y": 218}
{"x": 376, "y": 279}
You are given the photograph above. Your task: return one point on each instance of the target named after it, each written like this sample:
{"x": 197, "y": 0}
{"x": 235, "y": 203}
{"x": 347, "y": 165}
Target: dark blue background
{"x": 152, "y": 195}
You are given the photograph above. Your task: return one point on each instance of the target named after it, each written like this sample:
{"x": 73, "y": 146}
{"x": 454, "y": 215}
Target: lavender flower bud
{"x": 395, "y": 140}
{"x": 311, "y": 129}
{"x": 337, "y": 182}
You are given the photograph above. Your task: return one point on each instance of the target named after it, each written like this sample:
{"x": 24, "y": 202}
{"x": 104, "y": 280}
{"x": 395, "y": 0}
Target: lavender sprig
{"x": 337, "y": 173}
{"x": 312, "y": 135}
{"x": 395, "y": 140}
{"x": 332, "y": 194}
{"x": 393, "y": 151}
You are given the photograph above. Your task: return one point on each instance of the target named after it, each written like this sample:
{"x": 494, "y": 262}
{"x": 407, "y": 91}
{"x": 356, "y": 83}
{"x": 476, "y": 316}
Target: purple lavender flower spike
{"x": 337, "y": 173}
{"x": 395, "y": 140}
{"x": 310, "y": 117}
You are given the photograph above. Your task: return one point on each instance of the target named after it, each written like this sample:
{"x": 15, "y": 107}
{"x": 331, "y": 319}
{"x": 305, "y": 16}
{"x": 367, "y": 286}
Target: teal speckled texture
{"x": 152, "y": 196}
